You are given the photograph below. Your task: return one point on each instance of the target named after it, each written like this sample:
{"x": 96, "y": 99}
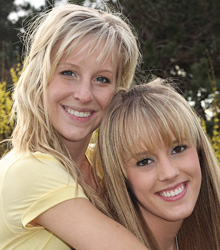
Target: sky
{"x": 35, "y": 3}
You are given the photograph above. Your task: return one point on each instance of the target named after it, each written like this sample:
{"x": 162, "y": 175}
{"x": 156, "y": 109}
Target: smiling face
{"x": 79, "y": 93}
{"x": 166, "y": 182}
{"x": 148, "y": 143}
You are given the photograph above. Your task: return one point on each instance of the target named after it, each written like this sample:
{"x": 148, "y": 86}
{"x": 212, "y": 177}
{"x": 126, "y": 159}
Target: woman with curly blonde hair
{"x": 77, "y": 58}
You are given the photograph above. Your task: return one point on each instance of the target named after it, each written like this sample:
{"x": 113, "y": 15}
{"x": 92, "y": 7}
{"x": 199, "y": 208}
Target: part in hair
{"x": 145, "y": 117}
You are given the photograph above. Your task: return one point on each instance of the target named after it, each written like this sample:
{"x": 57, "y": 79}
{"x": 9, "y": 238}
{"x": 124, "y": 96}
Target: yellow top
{"x": 28, "y": 187}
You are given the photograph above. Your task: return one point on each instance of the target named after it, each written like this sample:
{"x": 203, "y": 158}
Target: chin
{"x": 182, "y": 216}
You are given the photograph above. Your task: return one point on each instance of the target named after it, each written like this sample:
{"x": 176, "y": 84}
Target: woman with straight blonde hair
{"x": 161, "y": 176}
{"x": 77, "y": 58}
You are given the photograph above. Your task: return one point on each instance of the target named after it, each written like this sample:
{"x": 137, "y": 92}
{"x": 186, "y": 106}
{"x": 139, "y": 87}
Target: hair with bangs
{"x": 163, "y": 114}
{"x": 54, "y": 34}
{"x": 146, "y": 116}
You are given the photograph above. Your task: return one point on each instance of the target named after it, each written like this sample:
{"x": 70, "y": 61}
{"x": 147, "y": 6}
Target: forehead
{"x": 99, "y": 49}
{"x": 147, "y": 134}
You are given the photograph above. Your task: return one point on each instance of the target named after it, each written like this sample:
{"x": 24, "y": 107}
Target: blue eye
{"x": 102, "y": 79}
{"x": 144, "y": 162}
{"x": 69, "y": 73}
{"x": 178, "y": 149}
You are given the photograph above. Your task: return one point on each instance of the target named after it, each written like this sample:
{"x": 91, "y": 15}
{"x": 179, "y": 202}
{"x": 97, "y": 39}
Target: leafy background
{"x": 178, "y": 39}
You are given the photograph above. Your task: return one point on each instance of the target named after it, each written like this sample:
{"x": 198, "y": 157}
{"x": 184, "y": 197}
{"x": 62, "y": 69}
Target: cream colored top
{"x": 28, "y": 187}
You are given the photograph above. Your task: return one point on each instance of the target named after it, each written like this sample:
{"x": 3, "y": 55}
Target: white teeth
{"x": 77, "y": 113}
{"x": 173, "y": 193}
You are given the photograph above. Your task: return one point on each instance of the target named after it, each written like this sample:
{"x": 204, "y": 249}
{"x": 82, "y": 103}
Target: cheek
{"x": 51, "y": 99}
{"x": 198, "y": 174}
{"x": 196, "y": 170}
{"x": 57, "y": 92}
{"x": 104, "y": 98}
{"x": 139, "y": 184}
{"x": 51, "y": 92}
{"x": 192, "y": 163}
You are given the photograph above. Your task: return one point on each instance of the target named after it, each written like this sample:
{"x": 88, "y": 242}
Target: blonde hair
{"x": 53, "y": 35}
{"x": 151, "y": 113}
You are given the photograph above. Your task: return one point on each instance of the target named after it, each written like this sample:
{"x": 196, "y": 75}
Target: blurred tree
{"x": 10, "y": 44}
{"x": 6, "y": 7}
{"x": 6, "y": 36}
{"x": 178, "y": 38}
{"x": 11, "y": 32}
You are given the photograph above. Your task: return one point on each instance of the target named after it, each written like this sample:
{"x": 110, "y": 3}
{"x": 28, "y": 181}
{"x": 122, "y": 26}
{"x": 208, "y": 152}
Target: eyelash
{"x": 147, "y": 161}
{"x": 104, "y": 79}
{"x": 70, "y": 73}
{"x": 181, "y": 147}
{"x": 144, "y": 162}
{"x": 66, "y": 73}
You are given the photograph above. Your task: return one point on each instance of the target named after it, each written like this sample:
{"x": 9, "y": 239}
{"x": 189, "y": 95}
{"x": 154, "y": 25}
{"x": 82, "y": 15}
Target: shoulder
{"x": 19, "y": 171}
{"x": 36, "y": 182}
{"x": 30, "y": 162}
{"x": 90, "y": 154}
{"x": 13, "y": 157}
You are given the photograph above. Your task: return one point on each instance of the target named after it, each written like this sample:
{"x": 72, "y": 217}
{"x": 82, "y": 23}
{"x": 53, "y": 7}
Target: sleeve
{"x": 90, "y": 155}
{"x": 33, "y": 185}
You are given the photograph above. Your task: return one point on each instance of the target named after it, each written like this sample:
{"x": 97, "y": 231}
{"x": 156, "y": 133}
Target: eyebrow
{"x": 175, "y": 142}
{"x": 75, "y": 65}
{"x": 142, "y": 153}
{"x": 67, "y": 63}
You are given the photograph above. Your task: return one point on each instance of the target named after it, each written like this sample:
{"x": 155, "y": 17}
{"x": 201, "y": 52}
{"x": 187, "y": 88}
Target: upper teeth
{"x": 77, "y": 113}
{"x": 173, "y": 192}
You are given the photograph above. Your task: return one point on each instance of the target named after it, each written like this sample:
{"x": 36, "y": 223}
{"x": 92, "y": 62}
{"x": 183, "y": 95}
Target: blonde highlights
{"x": 55, "y": 34}
{"x": 147, "y": 116}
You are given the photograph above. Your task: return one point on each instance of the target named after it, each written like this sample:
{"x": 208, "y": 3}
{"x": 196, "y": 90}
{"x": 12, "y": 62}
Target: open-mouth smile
{"x": 77, "y": 113}
{"x": 173, "y": 192}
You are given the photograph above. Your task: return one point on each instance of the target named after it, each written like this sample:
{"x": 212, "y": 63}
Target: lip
{"x": 78, "y": 114}
{"x": 77, "y": 108}
{"x": 163, "y": 194}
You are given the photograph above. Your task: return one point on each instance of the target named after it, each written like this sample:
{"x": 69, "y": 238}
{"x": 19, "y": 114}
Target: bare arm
{"x": 84, "y": 227}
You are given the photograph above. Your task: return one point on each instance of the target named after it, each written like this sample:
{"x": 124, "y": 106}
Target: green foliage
{"x": 177, "y": 35}
{"x": 173, "y": 35}
{"x": 5, "y": 109}
{"x": 178, "y": 39}
{"x": 6, "y": 123}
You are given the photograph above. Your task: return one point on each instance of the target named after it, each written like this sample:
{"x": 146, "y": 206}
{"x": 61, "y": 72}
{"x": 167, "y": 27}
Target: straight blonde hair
{"x": 151, "y": 113}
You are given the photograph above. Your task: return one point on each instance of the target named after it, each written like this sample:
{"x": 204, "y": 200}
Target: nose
{"x": 168, "y": 170}
{"x": 83, "y": 91}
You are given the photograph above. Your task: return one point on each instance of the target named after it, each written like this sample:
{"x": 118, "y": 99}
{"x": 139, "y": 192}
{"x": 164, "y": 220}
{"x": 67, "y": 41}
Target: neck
{"x": 164, "y": 231}
{"x": 87, "y": 173}
{"x": 166, "y": 238}
{"x": 168, "y": 244}
{"x": 177, "y": 244}
{"x": 77, "y": 149}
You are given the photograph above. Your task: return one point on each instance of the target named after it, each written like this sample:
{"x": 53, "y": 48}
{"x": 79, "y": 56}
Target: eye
{"x": 144, "y": 162}
{"x": 69, "y": 73}
{"x": 102, "y": 79}
{"x": 178, "y": 149}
